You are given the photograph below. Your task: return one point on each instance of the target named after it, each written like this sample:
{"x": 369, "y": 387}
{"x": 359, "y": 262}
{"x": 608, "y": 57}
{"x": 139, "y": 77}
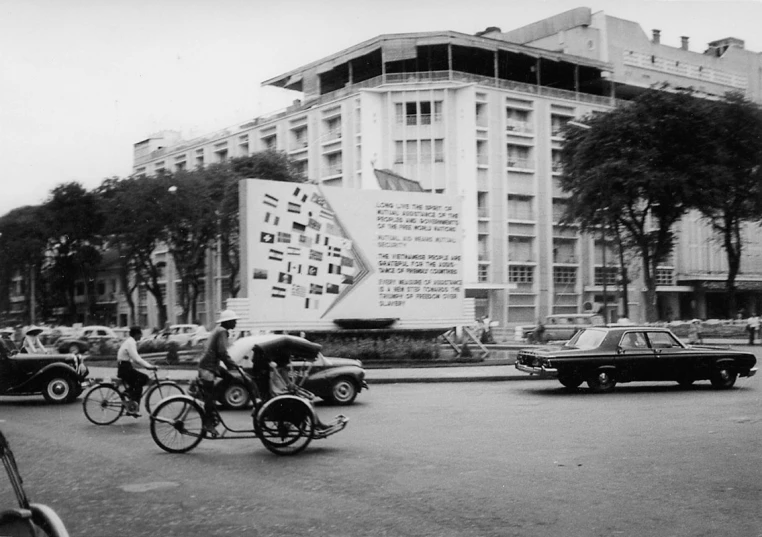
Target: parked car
{"x": 337, "y": 380}
{"x": 184, "y": 334}
{"x": 558, "y": 327}
{"x": 60, "y": 378}
{"x": 603, "y": 356}
{"x": 83, "y": 340}
{"x": 200, "y": 339}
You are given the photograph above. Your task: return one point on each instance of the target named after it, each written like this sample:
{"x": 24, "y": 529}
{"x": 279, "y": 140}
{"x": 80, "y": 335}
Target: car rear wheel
{"x": 343, "y": 391}
{"x": 601, "y": 381}
{"x": 59, "y": 390}
{"x": 235, "y": 397}
{"x": 723, "y": 378}
{"x": 570, "y": 382}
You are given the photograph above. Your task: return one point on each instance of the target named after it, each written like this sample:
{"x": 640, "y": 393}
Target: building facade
{"x": 479, "y": 116}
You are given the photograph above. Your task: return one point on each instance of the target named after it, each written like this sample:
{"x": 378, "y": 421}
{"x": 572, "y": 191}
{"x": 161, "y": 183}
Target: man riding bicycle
{"x": 209, "y": 366}
{"x": 134, "y": 379}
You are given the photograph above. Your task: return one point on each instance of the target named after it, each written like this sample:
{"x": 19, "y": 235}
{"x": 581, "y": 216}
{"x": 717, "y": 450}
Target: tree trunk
{"x": 733, "y": 248}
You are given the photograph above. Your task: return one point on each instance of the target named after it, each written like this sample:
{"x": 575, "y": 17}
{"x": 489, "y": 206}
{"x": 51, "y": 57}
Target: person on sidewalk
{"x": 216, "y": 352}
{"x": 752, "y": 326}
{"x": 694, "y": 333}
{"x": 126, "y": 356}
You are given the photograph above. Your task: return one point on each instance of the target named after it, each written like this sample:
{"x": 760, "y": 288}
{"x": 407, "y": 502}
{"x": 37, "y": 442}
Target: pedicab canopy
{"x": 281, "y": 348}
{"x": 315, "y": 258}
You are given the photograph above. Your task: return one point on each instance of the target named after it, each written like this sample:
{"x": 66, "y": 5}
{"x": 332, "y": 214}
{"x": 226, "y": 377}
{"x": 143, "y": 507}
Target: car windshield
{"x": 589, "y": 338}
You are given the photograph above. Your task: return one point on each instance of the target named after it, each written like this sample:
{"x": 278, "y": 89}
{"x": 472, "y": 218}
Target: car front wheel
{"x": 75, "y": 349}
{"x": 723, "y": 378}
{"x": 235, "y": 397}
{"x": 59, "y": 390}
{"x": 601, "y": 381}
{"x": 343, "y": 391}
{"x": 570, "y": 382}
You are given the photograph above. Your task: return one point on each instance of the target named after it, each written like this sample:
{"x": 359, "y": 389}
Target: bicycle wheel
{"x": 103, "y": 404}
{"x": 177, "y": 424}
{"x": 285, "y": 425}
{"x": 158, "y": 392}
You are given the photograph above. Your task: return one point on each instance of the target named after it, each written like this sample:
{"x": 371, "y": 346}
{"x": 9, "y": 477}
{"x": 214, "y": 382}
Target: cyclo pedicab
{"x": 28, "y": 519}
{"x": 284, "y": 417}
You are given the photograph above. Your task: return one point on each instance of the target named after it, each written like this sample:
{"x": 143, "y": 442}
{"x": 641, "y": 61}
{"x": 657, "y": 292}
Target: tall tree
{"x": 191, "y": 227}
{"x": 634, "y": 168}
{"x": 730, "y": 195}
{"x": 22, "y": 247}
{"x": 135, "y": 225}
{"x": 73, "y": 220}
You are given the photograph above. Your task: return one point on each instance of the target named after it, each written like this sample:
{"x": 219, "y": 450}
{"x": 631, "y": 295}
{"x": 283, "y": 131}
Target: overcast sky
{"x": 82, "y": 80}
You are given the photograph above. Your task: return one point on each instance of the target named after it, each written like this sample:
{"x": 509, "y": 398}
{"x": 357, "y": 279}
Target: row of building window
{"x": 567, "y": 276}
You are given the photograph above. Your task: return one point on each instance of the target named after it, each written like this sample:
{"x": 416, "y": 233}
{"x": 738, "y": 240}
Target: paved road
{"x": 478, "y": 459}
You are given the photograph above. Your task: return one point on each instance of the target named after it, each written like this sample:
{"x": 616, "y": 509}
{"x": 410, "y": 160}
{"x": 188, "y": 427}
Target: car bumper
{"x": 752, "y": 372}
{"x": 542, "y": 371}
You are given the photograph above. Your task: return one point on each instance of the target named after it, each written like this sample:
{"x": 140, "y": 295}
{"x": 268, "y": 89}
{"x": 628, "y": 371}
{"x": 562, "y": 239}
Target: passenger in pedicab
{"x": 271, "y": 359}
{"x": 271, "y": 370}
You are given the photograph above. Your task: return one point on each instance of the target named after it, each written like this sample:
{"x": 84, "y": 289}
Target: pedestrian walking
{"x": 694, "y": 333}
{"x": 752, "y": 326}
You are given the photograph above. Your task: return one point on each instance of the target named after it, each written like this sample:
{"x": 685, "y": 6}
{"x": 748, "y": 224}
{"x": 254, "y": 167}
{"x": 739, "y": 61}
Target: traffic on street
{"x": 524, "y": 457}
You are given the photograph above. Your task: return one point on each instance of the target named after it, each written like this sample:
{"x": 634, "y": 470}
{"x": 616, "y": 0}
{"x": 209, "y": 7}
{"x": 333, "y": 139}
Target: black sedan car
{"x": 60, "y": 378}
{"x": 605, "y": 355}
{"x": 336, "y": 380}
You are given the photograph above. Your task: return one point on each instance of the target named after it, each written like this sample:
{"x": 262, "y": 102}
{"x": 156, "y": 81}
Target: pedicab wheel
{"x": 285, "y": 425}
{"x": 158, "y": 392}
{"x": 103, "y": 404}
{"x": 177, "y": 424}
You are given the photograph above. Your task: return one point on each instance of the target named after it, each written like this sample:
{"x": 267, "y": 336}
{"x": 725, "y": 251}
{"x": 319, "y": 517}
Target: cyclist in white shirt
{"x": 134, "y": 379}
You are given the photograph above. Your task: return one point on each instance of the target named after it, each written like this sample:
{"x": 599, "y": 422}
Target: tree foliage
{"x": 135, "y": 225}
{"x": 729, "y": 196}
{"x": 73, "y": 222}
{"x": 636, "y": 168}
{"x": 22, "y": 247}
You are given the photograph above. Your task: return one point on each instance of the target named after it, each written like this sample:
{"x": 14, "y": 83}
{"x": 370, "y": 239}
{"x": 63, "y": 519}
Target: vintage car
{"x": 82, "y": 341}
{"x": 337, "y": 380}
{"x": 605, "y": 355}
{"x": 60, "y": 378}
{"x": 558, "y": 327}
{"x": 185, "y": 335}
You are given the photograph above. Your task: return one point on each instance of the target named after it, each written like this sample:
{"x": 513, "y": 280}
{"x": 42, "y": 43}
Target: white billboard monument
{"x": 317, "y": 258}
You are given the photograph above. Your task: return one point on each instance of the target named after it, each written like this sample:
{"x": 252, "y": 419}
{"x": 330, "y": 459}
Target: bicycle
{"x": 105, "y": 402}
{"x": 285, "y": 424}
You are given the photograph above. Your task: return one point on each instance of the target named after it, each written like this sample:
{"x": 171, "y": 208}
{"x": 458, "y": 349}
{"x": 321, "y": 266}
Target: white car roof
{"x": 243, "y": 345}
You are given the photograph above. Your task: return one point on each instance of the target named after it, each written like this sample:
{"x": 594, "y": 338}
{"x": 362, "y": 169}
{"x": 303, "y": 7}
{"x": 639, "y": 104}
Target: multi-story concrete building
{"x": 479, "y": 116}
